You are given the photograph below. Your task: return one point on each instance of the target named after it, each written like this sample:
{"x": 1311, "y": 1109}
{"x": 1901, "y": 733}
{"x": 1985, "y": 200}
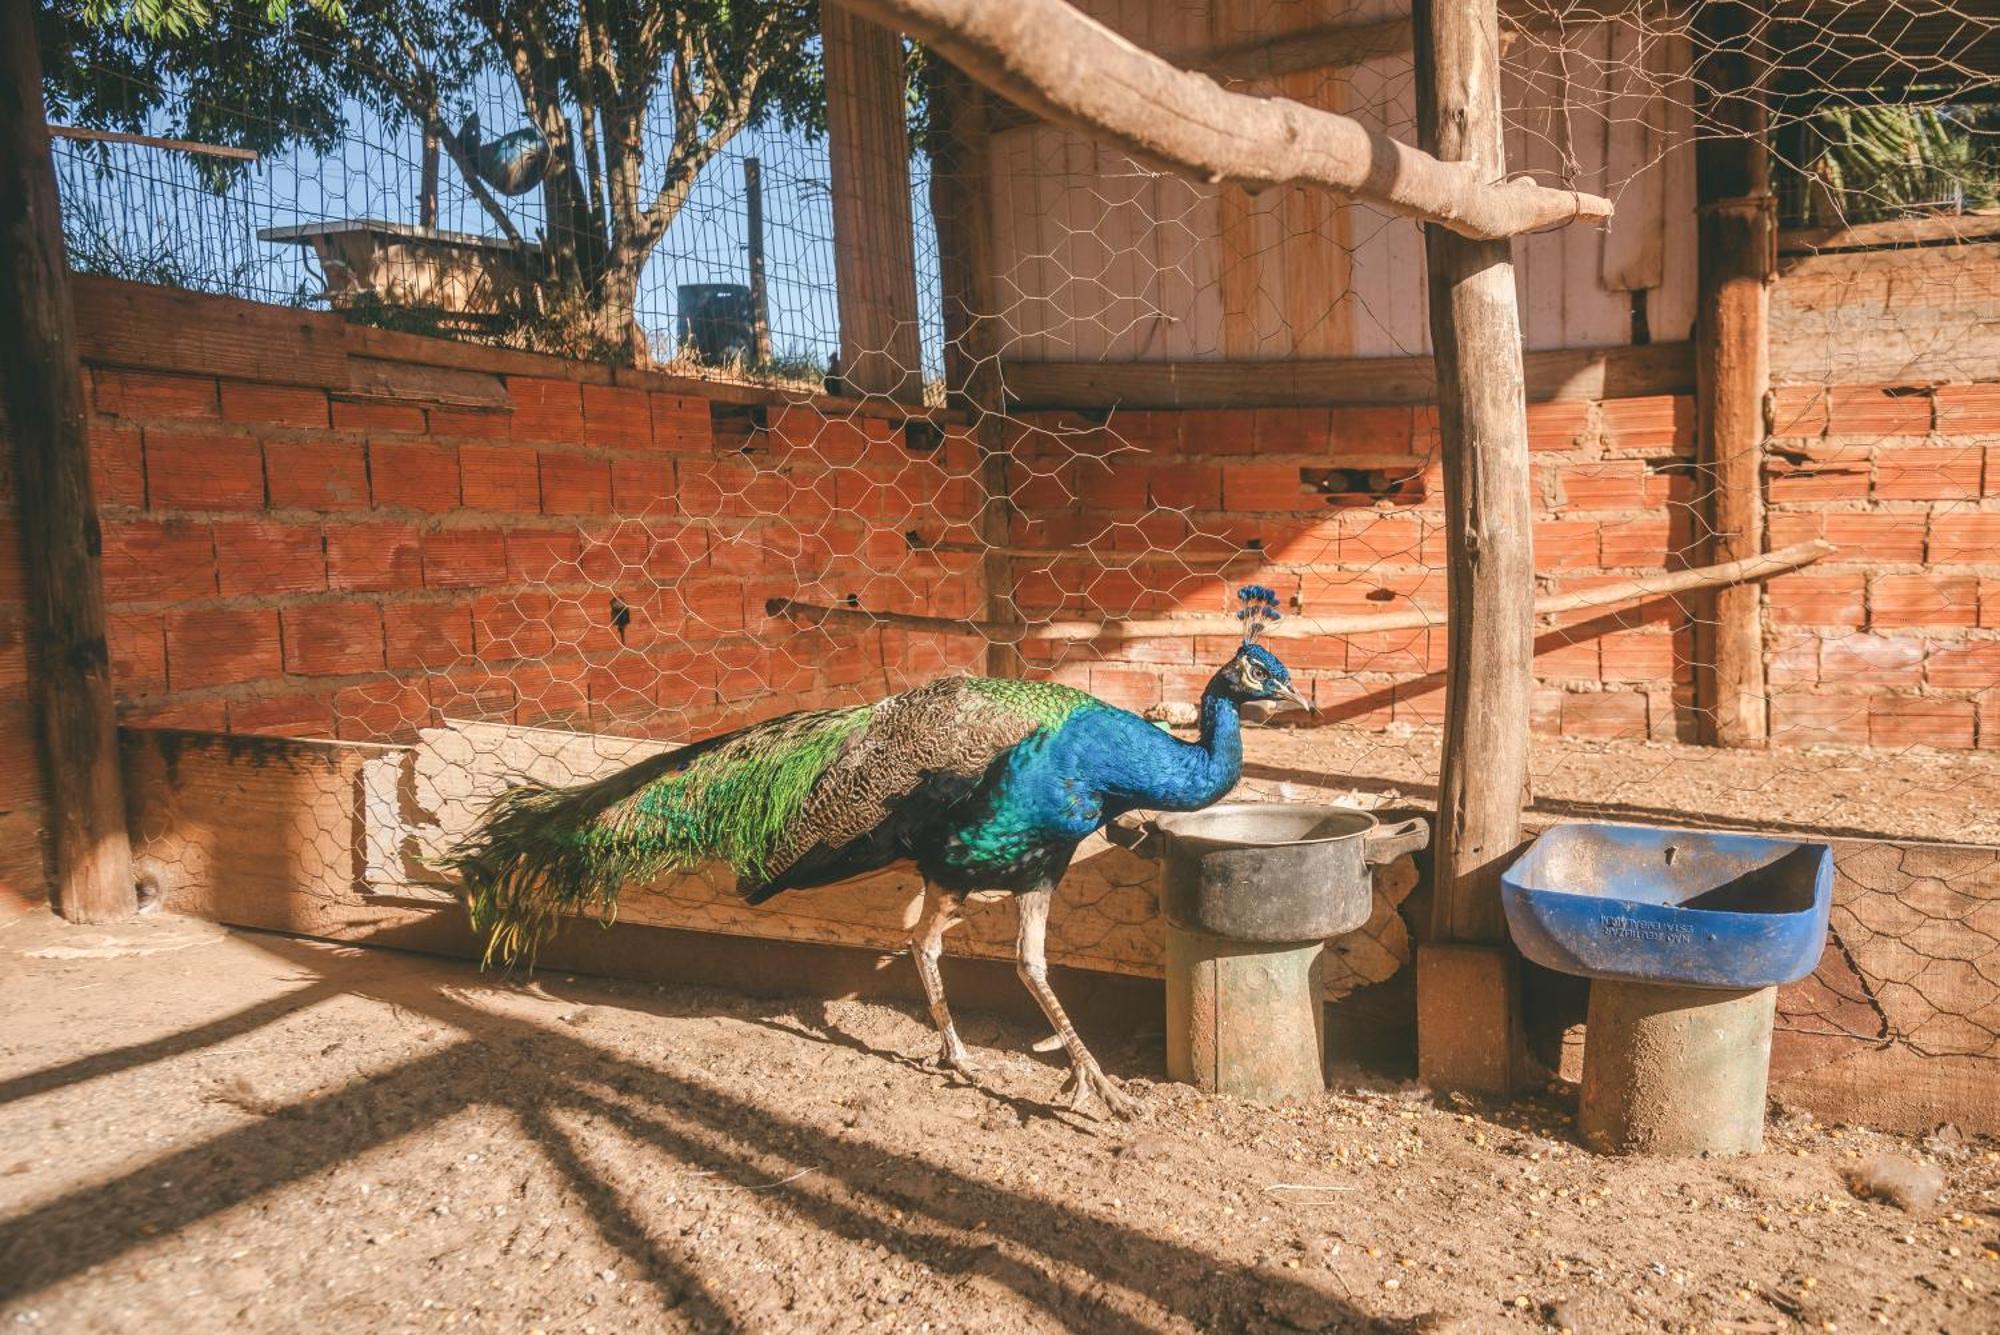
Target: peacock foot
{"x": 953, "y": 1057}
{"x": 1088, "y": 1085}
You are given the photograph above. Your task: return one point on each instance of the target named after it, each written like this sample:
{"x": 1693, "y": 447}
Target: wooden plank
{"x": 1593, "y": 316}
{"x": 1946, "y": 230}
{"x": 1635, "y": 140}
{"x": 43, "y": 403}
{"x": 874, "y": 248}
{"x": 1670, "y": 306}
{"x": 1566, "y": 373}
{"x": 119, "y": 324}
{"x": 380, "y": 378}
{"x": 1732, "y": 366}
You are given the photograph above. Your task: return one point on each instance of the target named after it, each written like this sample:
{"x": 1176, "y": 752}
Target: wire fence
{"x": 1159, "y": 390}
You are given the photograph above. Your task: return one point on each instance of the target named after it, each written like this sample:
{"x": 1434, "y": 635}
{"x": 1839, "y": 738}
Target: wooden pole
{"x": 962, "y": 205}
{"x": 760, "y": 296}
{"x": 43, "y": 388}
{"x": 874, "y": 247}
{"x": 1736, "y": 254}
{"x": 427, "y": 187}
{"x": 1467, "y": 1007}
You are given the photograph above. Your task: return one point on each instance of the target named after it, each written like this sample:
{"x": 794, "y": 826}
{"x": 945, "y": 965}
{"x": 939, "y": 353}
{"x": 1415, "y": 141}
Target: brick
{"x": 413, "y": 476}
{"x": 500, "y": 477}
{"x": 614, "y": 415}
{"x": 1816, "y": 600}
{"x": 374, "y": 415}
{"x": 575, "y": 484}
{"x": 1558, "y": 424}
{"x": 543, "y": 556}
{"x": 210, "y": 715}
{"x": 1637, "y": 656}
{"x": 472, "y": 693}
{"x": 1566, "y": 544}
{"x": 1225, "y": 431}
{"x": 1968, "y": 409}
{"x": 1871, "y": 660}
{"x": 642, "y": 486}
{"x": 1929, "y": 473}
{"x": 1909, "y": 720}
{"x": 273, "y": 405}
{"x": 1566, "y": 656}
{"x": 293, "y": 714}
{"x": 471, "y": 423}
{"x": 517, "y": 624}
{"x": 1870, "y": 410}
{"x": 150, "y": 395}
{"x": 1265, "y": 487}
{"x": 1972, "y": 665}
{"x": 138, "y": 645}
{"x": 267, "y": 556}
{"x": 1115, "y": 484}
{"x": 148, "y": 561}
{"x": 1606, "y": 714}
{"x": 426, "y": 635}
{"x": 1657, "y": 424}
{"x": 1871, "y": 536}
{"x": 1399, "y": 541}
{"x": 1404, "y": 651}
{"x": 217, "y": 646}
{"x": 1798, "y": 410}
{"x": 1989, "y": 604}
{"x": 1374, "y": 430}
{"x": 1923, "y": 600}
{"x": 1965, "y": 537}
{"x": 381, "y": 711}
{"x": 464, "y": 558}
{"x": 1185, "y": 486}
{"x": 373, "y": 558}
{"x": 203, "y": 472}
{"x": 1133, "y": 688}
{"x": 117, "y": 464}
{"x": 333, "y": 639}
{"x": 681, "y": 424}
{"x": 1618, "y": 484}
{"x": 551, "y": 693}
{"x": 317, "y": 474}
{"x": 546, "y": 410}
{"x": 1793, "y": 661}
{"x": 1830, "y": 474}
{"x": 1647, "y": 541}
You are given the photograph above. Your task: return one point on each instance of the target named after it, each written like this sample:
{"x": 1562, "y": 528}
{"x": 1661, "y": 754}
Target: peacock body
{"x": 984, "y": 783}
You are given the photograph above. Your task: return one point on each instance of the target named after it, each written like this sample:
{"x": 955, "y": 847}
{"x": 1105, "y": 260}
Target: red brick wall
{"x": 1612, "y": 490}
{"x": 311, "y": 560}
{"x": 1895, "y": 641}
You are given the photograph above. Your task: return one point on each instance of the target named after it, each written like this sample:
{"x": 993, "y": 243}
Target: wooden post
{"x": 43, "y": 388}
{"x": 874, "y": 248}
{"x": 1736, "y": 254}
{"x": 760, "y": 296}
{"x": 1468, "y": 1014}
{"x": 962, "y": 206}
{"x": 427, "y": 187}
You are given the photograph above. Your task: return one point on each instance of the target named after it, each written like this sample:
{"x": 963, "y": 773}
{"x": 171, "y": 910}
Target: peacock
{"x": 986, "y": 784}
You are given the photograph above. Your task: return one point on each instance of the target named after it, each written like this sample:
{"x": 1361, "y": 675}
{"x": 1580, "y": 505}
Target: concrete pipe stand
{"x": 1675, "y": 1070}
{"x": 1252, "y": 891}
{"x": 1686, "y": 936}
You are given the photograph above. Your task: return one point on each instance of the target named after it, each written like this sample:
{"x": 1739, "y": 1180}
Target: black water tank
{"x": 717, "y": 321}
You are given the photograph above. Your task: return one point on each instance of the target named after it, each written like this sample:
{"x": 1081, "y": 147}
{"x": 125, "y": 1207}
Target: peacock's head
{"x": 1255, "y": 672}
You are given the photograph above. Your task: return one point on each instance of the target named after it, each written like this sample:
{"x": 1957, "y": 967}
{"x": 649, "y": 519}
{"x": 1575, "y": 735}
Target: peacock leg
{"x": 1087, "y": 1081}
{"x": 926, "y": 944}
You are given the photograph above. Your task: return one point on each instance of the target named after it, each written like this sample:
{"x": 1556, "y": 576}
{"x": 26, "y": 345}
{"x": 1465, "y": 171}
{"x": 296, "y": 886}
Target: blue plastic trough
{"x": 1680, "y": 908}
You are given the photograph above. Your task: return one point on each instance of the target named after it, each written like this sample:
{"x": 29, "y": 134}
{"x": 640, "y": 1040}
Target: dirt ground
{"x": 204, "y": 1130}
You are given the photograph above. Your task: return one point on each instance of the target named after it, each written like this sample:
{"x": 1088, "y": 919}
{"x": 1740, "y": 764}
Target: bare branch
{"x": 1070, "y": 69}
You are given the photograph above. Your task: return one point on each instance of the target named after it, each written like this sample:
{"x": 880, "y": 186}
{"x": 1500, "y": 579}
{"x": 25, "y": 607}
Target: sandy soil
{"x": 206, "y": 1130}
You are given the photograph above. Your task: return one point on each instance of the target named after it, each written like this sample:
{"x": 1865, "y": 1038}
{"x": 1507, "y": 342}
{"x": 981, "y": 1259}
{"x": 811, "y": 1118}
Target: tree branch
{"x": 1066, "y": 67}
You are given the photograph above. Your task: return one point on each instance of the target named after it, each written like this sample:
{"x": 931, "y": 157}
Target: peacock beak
{"x": 1286, "y": 693}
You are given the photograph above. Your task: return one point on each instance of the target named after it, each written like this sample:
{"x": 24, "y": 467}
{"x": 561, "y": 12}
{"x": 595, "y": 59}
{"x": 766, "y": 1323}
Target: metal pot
{"x": 1271, "y": 872}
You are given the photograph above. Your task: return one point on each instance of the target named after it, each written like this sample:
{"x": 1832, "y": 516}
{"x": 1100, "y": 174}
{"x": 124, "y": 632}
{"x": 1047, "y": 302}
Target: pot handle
{"x": 1140, "y": 837}
{"x": 1388, "y": 842}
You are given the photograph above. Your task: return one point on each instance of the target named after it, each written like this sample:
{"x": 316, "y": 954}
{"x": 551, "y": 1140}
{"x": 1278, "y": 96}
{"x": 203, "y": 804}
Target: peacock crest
{"x": 1258, "y": 608}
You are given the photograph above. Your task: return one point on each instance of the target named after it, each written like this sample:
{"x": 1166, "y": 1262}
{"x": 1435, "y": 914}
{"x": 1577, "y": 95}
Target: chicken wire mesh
{"x": 637, "y": 563}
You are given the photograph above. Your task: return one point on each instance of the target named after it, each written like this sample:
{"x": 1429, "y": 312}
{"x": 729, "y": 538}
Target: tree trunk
{"x": 42, "y": 386}
{"x": 1482, "y": 416}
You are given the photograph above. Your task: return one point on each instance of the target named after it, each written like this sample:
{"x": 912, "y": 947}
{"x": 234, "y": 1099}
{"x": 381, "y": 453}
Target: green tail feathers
{"x": 542, "y": 853}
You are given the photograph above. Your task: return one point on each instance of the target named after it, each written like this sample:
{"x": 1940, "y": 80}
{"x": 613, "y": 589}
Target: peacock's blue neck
{"x": 1221, "y": 745}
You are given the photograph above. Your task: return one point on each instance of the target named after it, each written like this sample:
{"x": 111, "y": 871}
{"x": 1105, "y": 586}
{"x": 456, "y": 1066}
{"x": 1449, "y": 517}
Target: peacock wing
{"x": 954, "y": 727}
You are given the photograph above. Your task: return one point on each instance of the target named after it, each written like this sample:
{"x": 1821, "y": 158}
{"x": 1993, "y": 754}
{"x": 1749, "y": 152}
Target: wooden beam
{"x": 1566, "y": 373}
{"x": 874, "y": 250}
{"x": 962, "y": 205}
{"x": 1643, "y": 588}
{"x": 1470, "y": 1041}
{"x": 1072, "y": 70}
{"x": 78, "y": 132}
{"x": 1736, "y": 256}
{"x": 41, "y": 386}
